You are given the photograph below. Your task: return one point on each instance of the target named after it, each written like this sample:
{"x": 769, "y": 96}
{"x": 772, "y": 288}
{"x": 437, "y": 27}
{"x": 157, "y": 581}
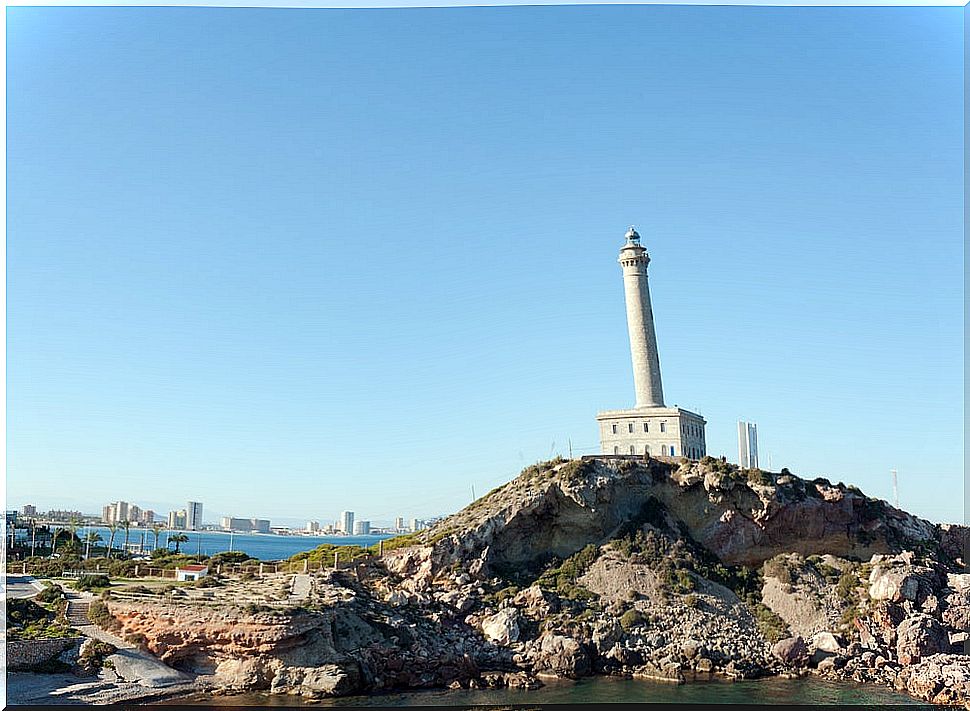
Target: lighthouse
{"x": 639, "y": 318}
{"x": 649, "y": 428}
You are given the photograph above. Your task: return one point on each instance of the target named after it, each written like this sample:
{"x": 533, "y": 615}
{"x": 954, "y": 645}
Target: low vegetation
{"x": 100, "y": 616}
{"x": 27, "y": 619}
{"x": 563, "y": 579}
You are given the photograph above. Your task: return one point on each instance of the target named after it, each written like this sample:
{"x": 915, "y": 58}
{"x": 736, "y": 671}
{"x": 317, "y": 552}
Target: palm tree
{"x": 93, "y": 538}
{"x": 126, "y": 525}
{"x": 178, "y": 539}
{"x": 113, "y": 527}
{"x": 157, "y": 529}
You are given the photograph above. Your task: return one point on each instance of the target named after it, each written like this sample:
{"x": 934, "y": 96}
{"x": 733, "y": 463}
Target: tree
{"x": 111, "y": 539}
{"x": 178, "y": 539}
{"x": 157, "y": 529}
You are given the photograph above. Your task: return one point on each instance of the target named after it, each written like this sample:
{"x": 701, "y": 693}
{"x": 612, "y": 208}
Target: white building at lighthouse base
{"x": 657, "y": 431}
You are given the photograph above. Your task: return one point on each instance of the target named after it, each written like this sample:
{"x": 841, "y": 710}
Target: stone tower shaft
{"x": 639, "y": 316}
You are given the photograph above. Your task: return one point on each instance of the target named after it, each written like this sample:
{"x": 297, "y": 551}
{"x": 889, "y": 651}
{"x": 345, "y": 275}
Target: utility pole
{"x": 895, "y": 490}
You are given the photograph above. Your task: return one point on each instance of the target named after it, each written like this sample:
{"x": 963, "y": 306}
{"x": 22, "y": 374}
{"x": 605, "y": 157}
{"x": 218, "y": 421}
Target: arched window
{"x": 633, "y": 449}
{"x": 614, "y": 429}
{"x": 616, "y": 450}
{"x": 663, "y": 450}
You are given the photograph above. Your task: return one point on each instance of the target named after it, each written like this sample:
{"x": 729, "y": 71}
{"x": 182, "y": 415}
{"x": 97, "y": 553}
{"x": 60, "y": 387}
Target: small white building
{"x": 188, "y": 573}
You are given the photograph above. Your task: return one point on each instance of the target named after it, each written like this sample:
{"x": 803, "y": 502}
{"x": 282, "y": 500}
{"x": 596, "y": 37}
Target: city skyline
{"x": 363, "y": 275}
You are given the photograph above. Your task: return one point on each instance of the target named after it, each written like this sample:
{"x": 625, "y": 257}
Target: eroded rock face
{"x": 558, "y": 510}
{"x": 919, "y": 637}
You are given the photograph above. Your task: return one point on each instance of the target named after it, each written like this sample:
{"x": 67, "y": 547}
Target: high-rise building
{"x": 312, "y": 527}
{"x": 147, "y": 517}
{"x": 362, "y": 528}
{"x": 193, "y": 516}
{"x": 399, "y": 523}
{"x": 747, "y": 445}
{"x": 29, "y": 511}
{"x": 177, "y": 520}
{"x": 650, "y": 427}
{"x": 347, "y": 522}
{"x": 418, "y": 525}
{"x": 259, "y": 525}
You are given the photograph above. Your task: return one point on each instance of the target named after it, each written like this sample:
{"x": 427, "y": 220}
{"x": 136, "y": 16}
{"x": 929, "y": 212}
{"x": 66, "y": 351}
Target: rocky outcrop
{"x": 742, "y": 518}
{"x": 658, "y": 569}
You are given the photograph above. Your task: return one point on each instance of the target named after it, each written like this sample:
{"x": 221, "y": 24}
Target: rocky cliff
{"x": 664, "y": 569}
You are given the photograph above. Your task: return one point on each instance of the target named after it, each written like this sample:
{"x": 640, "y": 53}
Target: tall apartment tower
{"x": 347, "y": 522}
{"x": 193, "y": 516}
{"x": 747, "y": 445}
{"x": 650, "y": 427}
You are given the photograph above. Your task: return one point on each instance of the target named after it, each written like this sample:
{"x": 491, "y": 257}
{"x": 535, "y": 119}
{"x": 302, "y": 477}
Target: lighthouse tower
{"x": 639, "y": 318}
{"x": 650, "y": 427}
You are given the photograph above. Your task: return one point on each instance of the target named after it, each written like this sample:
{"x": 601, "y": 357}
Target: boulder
{"x": 326, "y": 680}
{"x": 918, "y": 637}
{"x": 503, "y": 627}
{"x": 894, "y": 585}
{"x": 791, "y": 651}
{"x": 535, "y": 601}
{"x": 559, "y": 655}
{"x": 827, "y": 642}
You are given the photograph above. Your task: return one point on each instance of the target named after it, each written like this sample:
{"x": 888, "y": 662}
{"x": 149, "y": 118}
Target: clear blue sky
{"x": 287, "y": 262}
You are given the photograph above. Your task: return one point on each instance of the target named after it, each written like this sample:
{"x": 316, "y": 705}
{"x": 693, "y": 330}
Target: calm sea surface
{"x": 606, "y": 690}
{"x": 265, "y": 546}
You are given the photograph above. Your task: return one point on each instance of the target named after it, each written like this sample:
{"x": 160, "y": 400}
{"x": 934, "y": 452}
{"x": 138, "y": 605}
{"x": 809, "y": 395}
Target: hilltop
{"x": 653, "y": 567}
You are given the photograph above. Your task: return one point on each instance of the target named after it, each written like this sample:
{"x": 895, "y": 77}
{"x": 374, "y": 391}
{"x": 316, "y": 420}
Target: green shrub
{"x": 562, "y": 579}
{"x": 771, "y": 625}
{"x": 50, "y": 594}
{"x": 631, "y": 619}
{"x": 779, "y": 568}
{"x": 209, "y": 581}
{"x": 756, "y": 476}
{"x": 846, "y": 587}
{"x": 89, "y": 582}
{"x": 692, "y": 600}
{"x": 99, "y": 615}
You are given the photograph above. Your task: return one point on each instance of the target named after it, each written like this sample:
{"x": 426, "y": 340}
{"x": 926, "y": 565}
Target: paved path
{"x": 22, "y": 586}
{"x": 131, "y": 663}
{"x": 302, "y": 583}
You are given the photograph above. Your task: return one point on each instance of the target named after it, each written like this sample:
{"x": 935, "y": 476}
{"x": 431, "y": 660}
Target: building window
{"x": 630, "y": 428}
{"x": 663, "y": 450}
{"x": 646, "y": 427}
{"x": 646, "y": 449}
{"x": 614, "y": 429}
{"x": 633, "y": 450}
{"x": 616, "y": 450}
{"x": 663, "y": 426}
{"x": 671, "y": 450}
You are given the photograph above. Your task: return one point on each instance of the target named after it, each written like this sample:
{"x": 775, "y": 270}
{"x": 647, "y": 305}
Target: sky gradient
{"x": 289, "y": 262}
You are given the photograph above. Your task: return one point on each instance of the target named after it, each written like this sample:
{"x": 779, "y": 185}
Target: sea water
{"x": 609, "y": 690}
